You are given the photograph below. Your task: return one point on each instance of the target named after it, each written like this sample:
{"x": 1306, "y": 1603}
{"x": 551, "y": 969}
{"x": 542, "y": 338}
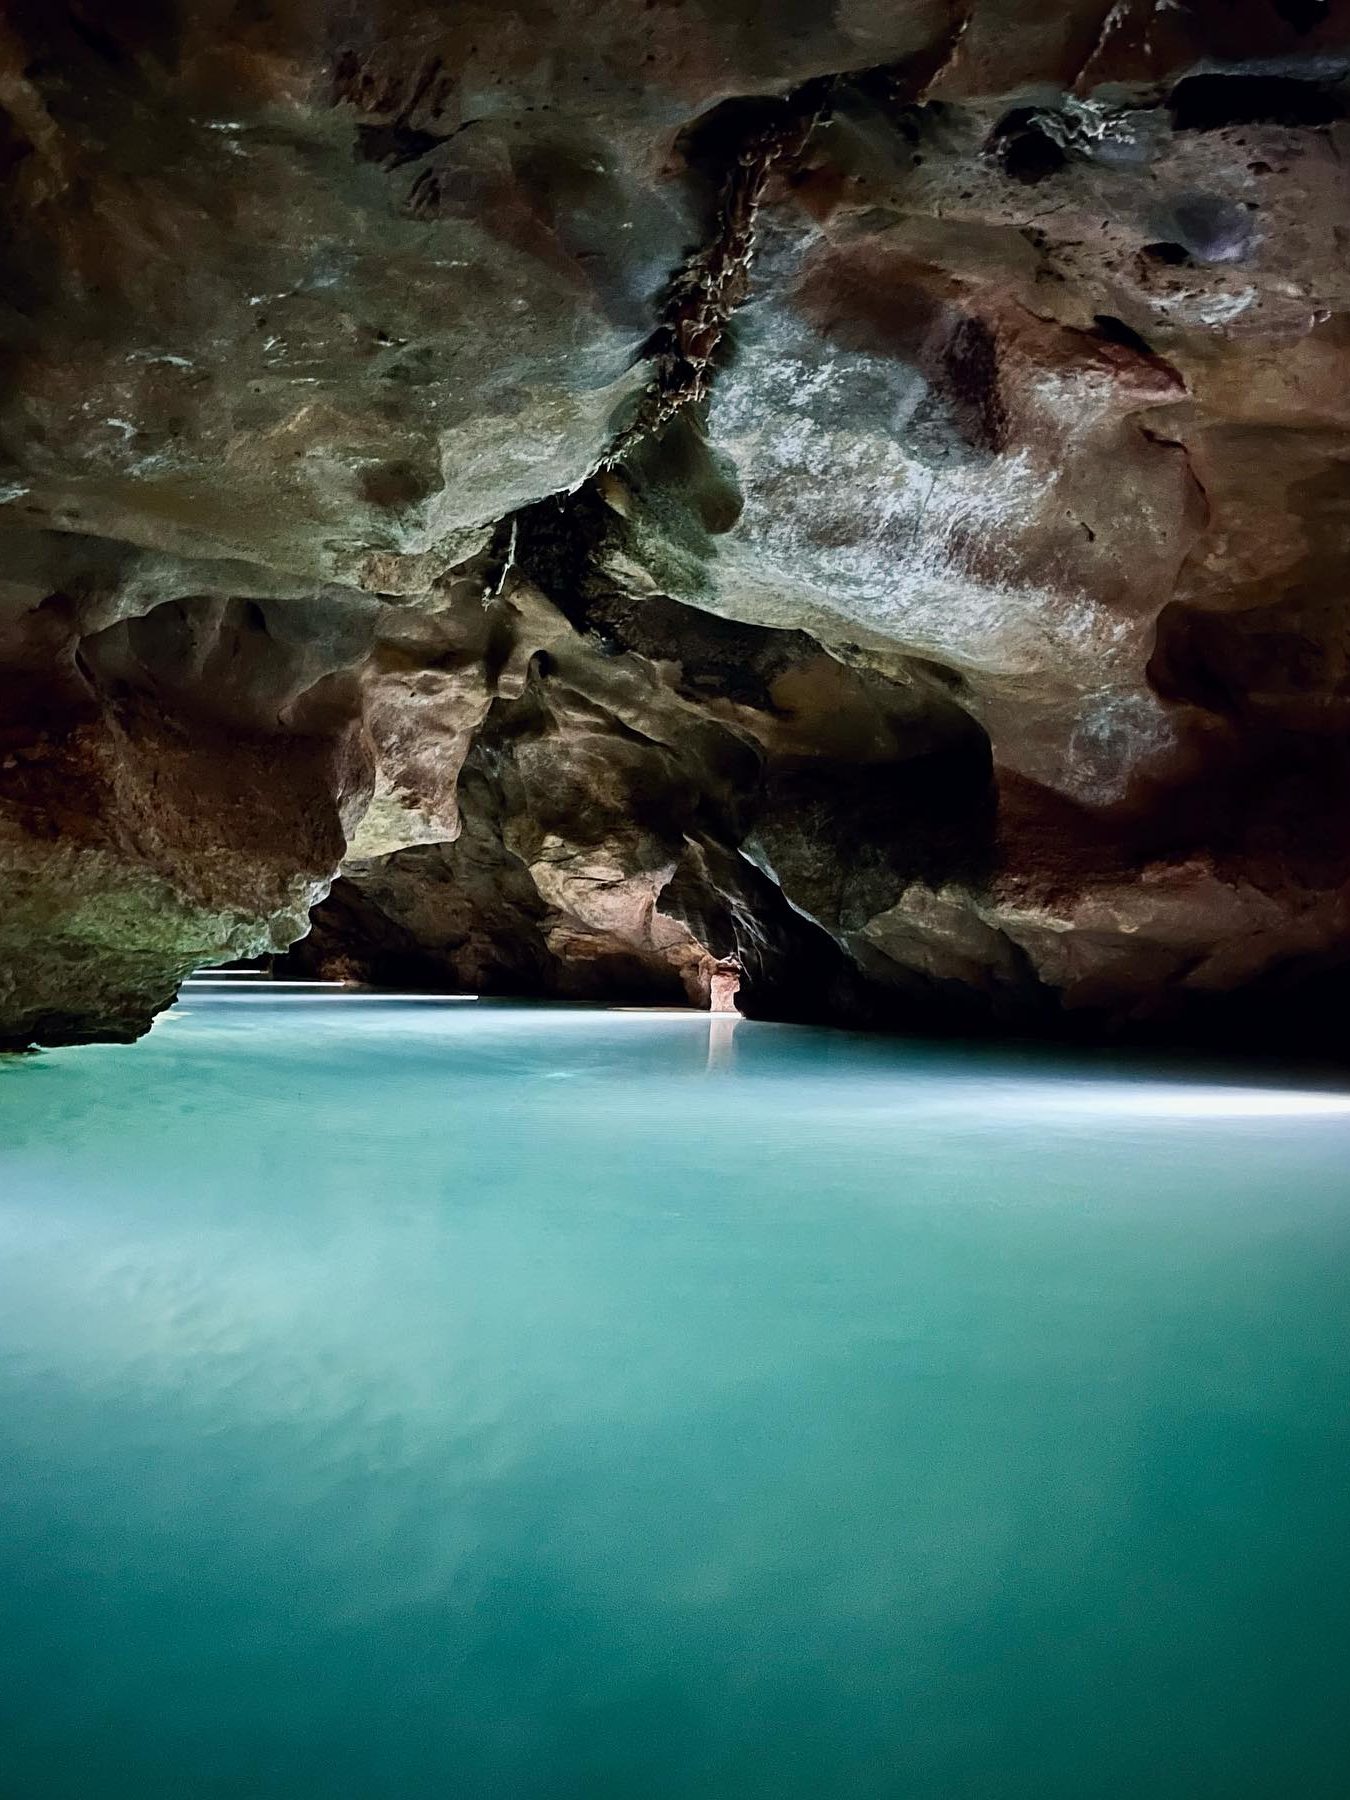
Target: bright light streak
{"x": 248, "y": 985}
{"x": 1065, "y": 1101}
{"x": 1162, "y": 1101}
{"x": 326, "y": 990}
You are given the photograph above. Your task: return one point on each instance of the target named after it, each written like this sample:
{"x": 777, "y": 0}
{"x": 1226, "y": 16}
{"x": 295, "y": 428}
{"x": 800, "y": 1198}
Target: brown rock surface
{"x": 851, "y": 493}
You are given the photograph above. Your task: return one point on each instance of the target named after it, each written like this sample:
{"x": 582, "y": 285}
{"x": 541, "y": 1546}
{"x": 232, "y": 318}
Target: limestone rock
{"x": 850, "y": 498}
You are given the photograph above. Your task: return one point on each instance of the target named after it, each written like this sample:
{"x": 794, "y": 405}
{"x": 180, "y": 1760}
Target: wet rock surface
{"x": 623, "y": 492}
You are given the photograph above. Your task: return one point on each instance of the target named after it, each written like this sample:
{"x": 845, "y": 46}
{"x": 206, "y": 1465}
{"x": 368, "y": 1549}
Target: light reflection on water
{"x": 406, "y": 1400}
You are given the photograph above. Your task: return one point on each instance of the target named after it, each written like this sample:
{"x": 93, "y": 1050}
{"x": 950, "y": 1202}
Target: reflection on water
{"x": 411, "y": 1400}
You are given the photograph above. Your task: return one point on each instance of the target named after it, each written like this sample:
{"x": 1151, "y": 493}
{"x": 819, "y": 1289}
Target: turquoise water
{"x": 404, "y": 1400}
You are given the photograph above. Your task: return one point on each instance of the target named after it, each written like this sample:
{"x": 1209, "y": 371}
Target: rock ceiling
{"x": 617, "y": 487}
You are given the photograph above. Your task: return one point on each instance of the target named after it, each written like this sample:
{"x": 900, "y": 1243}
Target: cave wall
{"x": 627, "y": 488}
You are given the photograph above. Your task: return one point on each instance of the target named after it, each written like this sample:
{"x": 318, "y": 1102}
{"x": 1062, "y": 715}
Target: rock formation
{"x": 851, "y": 492}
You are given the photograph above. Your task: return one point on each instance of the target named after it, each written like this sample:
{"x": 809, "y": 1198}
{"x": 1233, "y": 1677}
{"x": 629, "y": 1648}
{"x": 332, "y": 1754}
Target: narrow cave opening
{"x": 1028, "y": 146}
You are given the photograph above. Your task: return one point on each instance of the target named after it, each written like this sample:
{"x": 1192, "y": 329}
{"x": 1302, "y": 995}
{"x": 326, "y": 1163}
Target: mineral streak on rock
{"x": 636, "y": 495}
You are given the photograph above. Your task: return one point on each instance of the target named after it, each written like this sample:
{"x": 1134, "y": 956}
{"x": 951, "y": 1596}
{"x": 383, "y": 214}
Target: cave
{"x": 660, "y": 442}
{"x": 598, "y": 598}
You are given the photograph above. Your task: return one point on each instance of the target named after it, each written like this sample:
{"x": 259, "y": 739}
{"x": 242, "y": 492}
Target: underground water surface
{"x": 411, "y": 1399}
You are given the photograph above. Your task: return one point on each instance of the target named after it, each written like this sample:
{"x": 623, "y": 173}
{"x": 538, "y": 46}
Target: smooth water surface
{"x": 408, "y": 1400}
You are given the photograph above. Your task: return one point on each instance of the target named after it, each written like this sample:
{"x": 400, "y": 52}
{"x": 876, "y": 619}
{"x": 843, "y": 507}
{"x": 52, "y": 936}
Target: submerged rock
{"x": 851, "y": 495}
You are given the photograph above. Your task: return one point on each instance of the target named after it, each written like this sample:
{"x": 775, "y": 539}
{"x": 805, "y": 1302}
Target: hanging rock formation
{"x": 617, "y": 489}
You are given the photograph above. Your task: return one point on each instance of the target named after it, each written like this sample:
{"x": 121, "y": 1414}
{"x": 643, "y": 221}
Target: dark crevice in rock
{"x": 392, "y": 146}
{"x": 115, "y": 32}
{"x": 1028, "y": 145}
{"x": 734, "y": 149}
{"x": 732, "y": 153}
{"x": 1116, "y": 331}
{"x": 1304, "y": 15}
{"x": 100, "y": 42}
{"x": 558, "y": 545}
{"x": 1220, "y": 99}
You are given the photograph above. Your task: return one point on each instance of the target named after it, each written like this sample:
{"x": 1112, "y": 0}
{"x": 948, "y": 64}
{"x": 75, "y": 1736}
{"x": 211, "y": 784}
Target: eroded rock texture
{"x": 854, "y": 491}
